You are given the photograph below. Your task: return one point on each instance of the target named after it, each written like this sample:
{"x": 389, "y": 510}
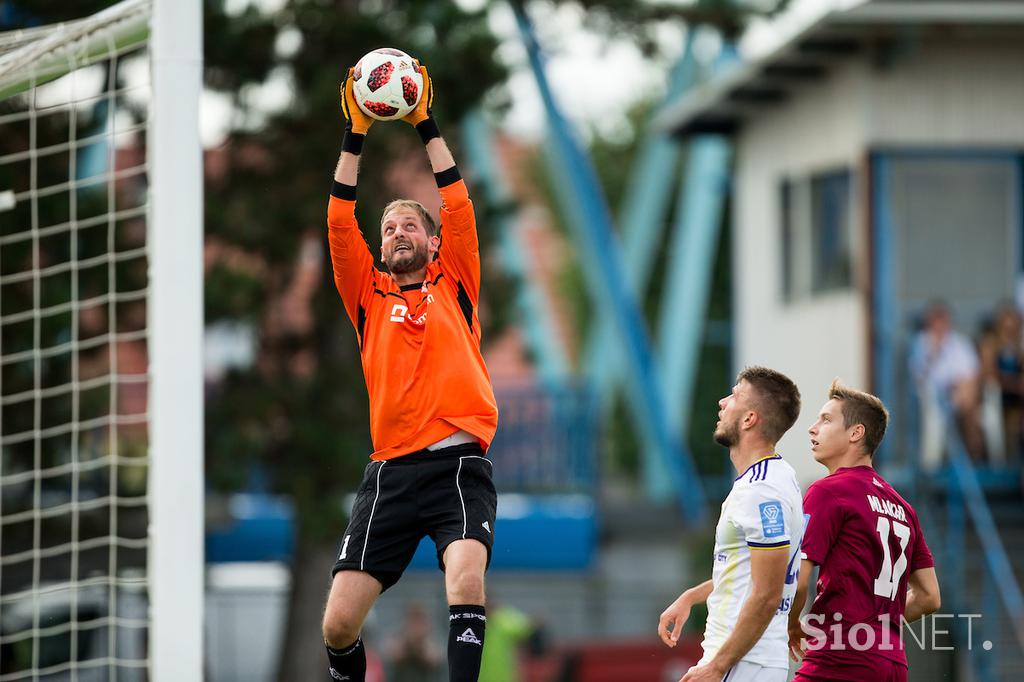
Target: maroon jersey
{"x": 867, "y": 541}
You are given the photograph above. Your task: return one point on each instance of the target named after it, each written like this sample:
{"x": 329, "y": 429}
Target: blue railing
{"x": 546, "y": 440}
{"x": 969, "y": 522}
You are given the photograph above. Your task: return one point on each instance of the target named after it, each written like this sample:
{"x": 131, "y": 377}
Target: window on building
{"x": 816, "y": 236}
{"x": 786, "y": 241}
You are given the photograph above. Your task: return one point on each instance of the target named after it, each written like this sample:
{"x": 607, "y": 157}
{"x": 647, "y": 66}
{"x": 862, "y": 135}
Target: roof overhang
{"x": 723, "y": 104}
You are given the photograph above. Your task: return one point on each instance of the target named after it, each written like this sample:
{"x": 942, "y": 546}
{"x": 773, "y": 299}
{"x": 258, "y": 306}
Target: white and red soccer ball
{"x": 387, "y": 84}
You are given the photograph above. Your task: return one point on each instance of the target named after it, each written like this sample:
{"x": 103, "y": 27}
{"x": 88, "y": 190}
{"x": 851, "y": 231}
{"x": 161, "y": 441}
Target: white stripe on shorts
{"x": 465, "y": 519}
{"x": 366, "y": 540}
{"x": 462, "y": 501}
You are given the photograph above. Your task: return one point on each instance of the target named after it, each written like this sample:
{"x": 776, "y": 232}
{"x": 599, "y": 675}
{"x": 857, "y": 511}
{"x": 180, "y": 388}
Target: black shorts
{"x": 447, "y": 494}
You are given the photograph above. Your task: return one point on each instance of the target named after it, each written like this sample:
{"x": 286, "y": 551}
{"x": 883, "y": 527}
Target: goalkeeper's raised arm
{"x": 459, "y": 253}
{"x": 354, "y": 273}
{"x": 422, "y": 119}
{"x": 357, "y": 124}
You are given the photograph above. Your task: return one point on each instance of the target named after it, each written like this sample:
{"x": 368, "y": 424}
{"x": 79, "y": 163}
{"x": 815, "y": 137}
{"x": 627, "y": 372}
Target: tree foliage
{"x": 638, "y": 19}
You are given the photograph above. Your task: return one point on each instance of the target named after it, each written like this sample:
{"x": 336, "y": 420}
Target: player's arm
{"x": 796, "y": 633}
{"x": 459, "y": 244}
{"x": 768, "y": 576}
{"x": 422, "y": 119}
{"x": 454, "y": 194}
{"x": 350, "y": 256}
{"x": 347, "y": 170}
{"x": 670, "y": 624}
{"x": 357, "y": 124}
{"x": 439, "y": 155}
{"x": 922, "y": 594}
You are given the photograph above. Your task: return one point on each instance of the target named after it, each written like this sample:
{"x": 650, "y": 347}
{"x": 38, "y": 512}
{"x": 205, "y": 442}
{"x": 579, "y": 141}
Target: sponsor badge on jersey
{"x": 772, "y": 522}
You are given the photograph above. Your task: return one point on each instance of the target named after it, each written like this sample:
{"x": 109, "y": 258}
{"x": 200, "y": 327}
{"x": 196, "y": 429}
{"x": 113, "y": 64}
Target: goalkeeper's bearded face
{"x": 406, "y": 246}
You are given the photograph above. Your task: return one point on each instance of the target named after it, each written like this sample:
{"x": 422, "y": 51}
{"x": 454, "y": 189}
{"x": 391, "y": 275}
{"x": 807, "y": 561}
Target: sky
{"x": 595, "y": 81}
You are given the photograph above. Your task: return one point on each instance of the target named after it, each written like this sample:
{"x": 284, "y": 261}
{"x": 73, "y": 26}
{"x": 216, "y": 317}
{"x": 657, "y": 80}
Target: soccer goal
{"x": 101, "y": 470}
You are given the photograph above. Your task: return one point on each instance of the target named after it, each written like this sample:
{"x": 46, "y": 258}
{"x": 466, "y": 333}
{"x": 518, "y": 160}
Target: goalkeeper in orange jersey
{"x": 432, "y": 408}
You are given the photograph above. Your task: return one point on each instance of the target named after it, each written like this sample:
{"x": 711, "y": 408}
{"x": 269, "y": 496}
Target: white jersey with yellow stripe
{"x": 763, "y": 512}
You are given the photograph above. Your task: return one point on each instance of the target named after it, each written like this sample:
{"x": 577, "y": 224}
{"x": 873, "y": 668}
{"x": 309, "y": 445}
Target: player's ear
{"x": 435, "y": 243}
{"x": 751, "y": 419}
{"x": 856, "y": 433}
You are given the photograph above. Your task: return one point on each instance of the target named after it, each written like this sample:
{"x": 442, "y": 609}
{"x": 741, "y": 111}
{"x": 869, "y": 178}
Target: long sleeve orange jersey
{"x": 420, "y": 347}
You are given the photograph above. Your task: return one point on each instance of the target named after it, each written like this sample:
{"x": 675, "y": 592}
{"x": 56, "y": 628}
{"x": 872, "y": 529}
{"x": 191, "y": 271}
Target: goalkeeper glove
{"x": 422, "y": 118}
{"x": 422, "y": 111}
{"x": 355, "y": 120}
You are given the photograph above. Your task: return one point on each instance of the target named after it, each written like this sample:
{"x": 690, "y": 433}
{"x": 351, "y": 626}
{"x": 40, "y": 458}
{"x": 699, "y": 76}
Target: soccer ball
{"x": 387, "y": 84}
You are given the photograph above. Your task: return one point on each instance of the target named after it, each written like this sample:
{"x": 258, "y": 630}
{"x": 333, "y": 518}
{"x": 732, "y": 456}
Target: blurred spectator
{"x": 414, "y": 657}
{"x": 1002, "y": 369}
{"x": 944, "y": 365}
{"x": 507, "y": 629}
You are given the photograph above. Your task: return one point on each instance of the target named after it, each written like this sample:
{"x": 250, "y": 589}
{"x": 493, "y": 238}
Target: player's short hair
{"x": 778, "y": 400}
{"x": 418, "y": 208}
{"x": 863, "y": 408}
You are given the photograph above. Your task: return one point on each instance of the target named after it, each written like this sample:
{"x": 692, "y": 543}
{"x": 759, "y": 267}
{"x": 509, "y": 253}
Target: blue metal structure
{"x": 691, "y": 260}
{"x": 884, "y": 320}
{"x": 534, "y": 313}
{"x": 694, "y": 238}
{"x": 971, "y": 535}
{"x": 646, "y": 201}
{"x": 606, "y": 278}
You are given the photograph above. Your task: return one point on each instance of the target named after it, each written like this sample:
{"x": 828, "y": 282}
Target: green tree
{"x": 639, "y": 19}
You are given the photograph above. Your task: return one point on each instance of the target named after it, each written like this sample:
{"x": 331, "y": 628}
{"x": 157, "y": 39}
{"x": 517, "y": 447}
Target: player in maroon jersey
{"x": 876, "y": 569}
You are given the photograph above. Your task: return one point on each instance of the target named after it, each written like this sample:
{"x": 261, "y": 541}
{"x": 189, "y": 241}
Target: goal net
{"x": 84, "y": 197}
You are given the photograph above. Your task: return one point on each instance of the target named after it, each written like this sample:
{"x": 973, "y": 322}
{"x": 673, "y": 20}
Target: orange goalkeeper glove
{"x": 422, "y": 111}
{"x": 422, "y": 118}
{"x": 355, "y": 120}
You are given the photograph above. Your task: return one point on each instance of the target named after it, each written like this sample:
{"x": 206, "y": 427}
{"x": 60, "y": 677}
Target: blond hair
{"x": 428, "y": 222}
{"x": 862, "y": 408}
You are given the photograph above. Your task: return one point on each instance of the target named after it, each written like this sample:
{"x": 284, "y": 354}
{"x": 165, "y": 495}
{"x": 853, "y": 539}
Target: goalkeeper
{"x": 432, "y": 408}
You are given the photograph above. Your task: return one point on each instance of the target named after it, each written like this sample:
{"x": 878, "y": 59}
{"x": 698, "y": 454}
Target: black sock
{"x": 466, "y": 625}
{"x": 348, "y": 664}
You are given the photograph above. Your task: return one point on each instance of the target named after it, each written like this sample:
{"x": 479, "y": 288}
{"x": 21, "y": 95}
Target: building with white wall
{"x": 878, "y": 167}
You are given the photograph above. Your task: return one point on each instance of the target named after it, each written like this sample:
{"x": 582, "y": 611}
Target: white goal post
{"x": 176, "y": 344}
{"x": 101, "y": 324}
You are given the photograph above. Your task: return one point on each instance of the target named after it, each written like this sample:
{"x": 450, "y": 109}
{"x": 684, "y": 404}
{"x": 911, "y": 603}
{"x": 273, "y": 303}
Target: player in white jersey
{"x": 756, "y": 541}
